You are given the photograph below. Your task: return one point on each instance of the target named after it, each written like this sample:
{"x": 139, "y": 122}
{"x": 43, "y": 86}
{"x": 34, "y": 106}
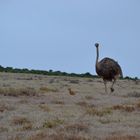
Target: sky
{"x": 60, "y": 34}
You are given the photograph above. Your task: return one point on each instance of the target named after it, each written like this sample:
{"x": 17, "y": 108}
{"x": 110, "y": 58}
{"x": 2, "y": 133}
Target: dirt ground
{"x": 38, "y": 107}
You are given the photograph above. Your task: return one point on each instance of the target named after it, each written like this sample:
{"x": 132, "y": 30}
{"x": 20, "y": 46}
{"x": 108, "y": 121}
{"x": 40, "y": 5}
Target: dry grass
{"x": 138, "y": 104}
{"x": 127, "y": 108}
{"x": 106, "y": 120}
{"x": 134, "y": 94}
{"x": 43, "y": 112}
{"x": 27, "y": 126}
{"x": 82, "y": 104}
{"x": 38, "y": 136}
{"x": 127, "y": 137}
{"x": 59, "y": 102}
{"x": 6, "y": 107}
{"x": 3, "y": 129}
{"x": 52, "y": 123}
{"x": 88, "y": 97}
{"x": 44, "y": 107}
{"x": 18, "y": 91}
{"x": 77, "y": 127}
{"x": 20, "y": 120}
{"x": 46, "y": 89}
{"x": 74, "y": 81}
{"x": 24, "y": 123}
{"x": 98, "y": 112}
{"x": 15, "y": 138}
{"x": 58, "y": 136}
{"x": 3, "y": 107}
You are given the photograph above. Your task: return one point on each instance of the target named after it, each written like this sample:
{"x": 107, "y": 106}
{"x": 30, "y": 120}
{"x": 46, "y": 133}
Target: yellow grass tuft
{"x": 77, "y": 127}
{"x": 127, "y": 137}
{"x": 44, "y": 107}
{"x": 46, "y": 89}
{"x": 52, "y": 123}
{"x": 18, "y": 91}
{"x": 127, "y": 108}
{"x": 98, "y": 112}
{"x": 58, "y": 136}
{"x": 20, "y": 120}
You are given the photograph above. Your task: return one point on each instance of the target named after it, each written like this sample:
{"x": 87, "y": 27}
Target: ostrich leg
{"x": 105, "y": 82}
{"x": 111, "y": 88}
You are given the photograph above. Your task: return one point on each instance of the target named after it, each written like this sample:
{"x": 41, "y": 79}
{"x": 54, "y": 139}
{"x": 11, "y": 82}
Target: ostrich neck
{"x": 97, "y": 57}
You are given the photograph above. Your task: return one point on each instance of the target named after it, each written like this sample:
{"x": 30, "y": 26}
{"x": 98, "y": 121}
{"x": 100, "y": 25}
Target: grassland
{"x": 41, "y": 107}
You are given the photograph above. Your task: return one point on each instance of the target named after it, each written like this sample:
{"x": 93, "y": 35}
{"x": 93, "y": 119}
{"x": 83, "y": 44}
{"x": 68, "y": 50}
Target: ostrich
{"x": 108, "y": 69}
{"x": 71, "y": 92}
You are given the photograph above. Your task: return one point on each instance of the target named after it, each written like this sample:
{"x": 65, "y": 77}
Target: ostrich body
{"x": 108, "y": 69}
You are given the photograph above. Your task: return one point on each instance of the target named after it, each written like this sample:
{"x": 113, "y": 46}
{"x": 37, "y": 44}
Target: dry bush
{"x": 85, "y": 104}
{"x": 134, "y": 94}
{"x": 18, "y": 91}
{"x": 128, "y": 137}
{"x": 5, "y": 85}
{"x": 38, "y": 136}
{"x": 90, "y": 80}
{"x": 25, "y": 78}
{"x": 27, "y": 126}
{"x": 44, "y": 107}
{"x": 98, "y": 112}
{"x": 118, "y": 107}
{"x": 82, "y": 103}
{"x": 77, "y": 127}
{"x": 23, "y": 101}
{"x": 74, "y": 81}
{"x": 58, "y": 136}
{"x": 20, "y": 120}
{"x": 3, "y": 107}
{"x": 15, "y": 138}
{"x": 127, "y": 108}
{"x": 46, "y": 89}
{"x": 3, "y": 129}
{"x": 105, "y": 120}
{"x": 6, "y": 107}
{"x": 138, "y": 104}
{"x": 88, "y": 97}
{"x": 59, "y": 102}
{"x": 63, "y": 136}
{"x": 52, "y": 123}
{"x": 52, "y": 81}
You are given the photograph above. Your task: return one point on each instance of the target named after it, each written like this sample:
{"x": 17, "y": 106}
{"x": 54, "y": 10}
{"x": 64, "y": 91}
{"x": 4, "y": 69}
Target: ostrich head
{"x": 96, "y": 45}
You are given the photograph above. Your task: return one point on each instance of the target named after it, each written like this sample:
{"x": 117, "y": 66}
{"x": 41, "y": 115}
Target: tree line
{"x": 53, "y": 73}
{"x": 44, "y": 72}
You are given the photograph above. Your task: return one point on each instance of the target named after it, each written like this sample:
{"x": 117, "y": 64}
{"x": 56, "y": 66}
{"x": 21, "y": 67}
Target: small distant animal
{"x": 108, "y": 69}
{"x": 71, "y": 92}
